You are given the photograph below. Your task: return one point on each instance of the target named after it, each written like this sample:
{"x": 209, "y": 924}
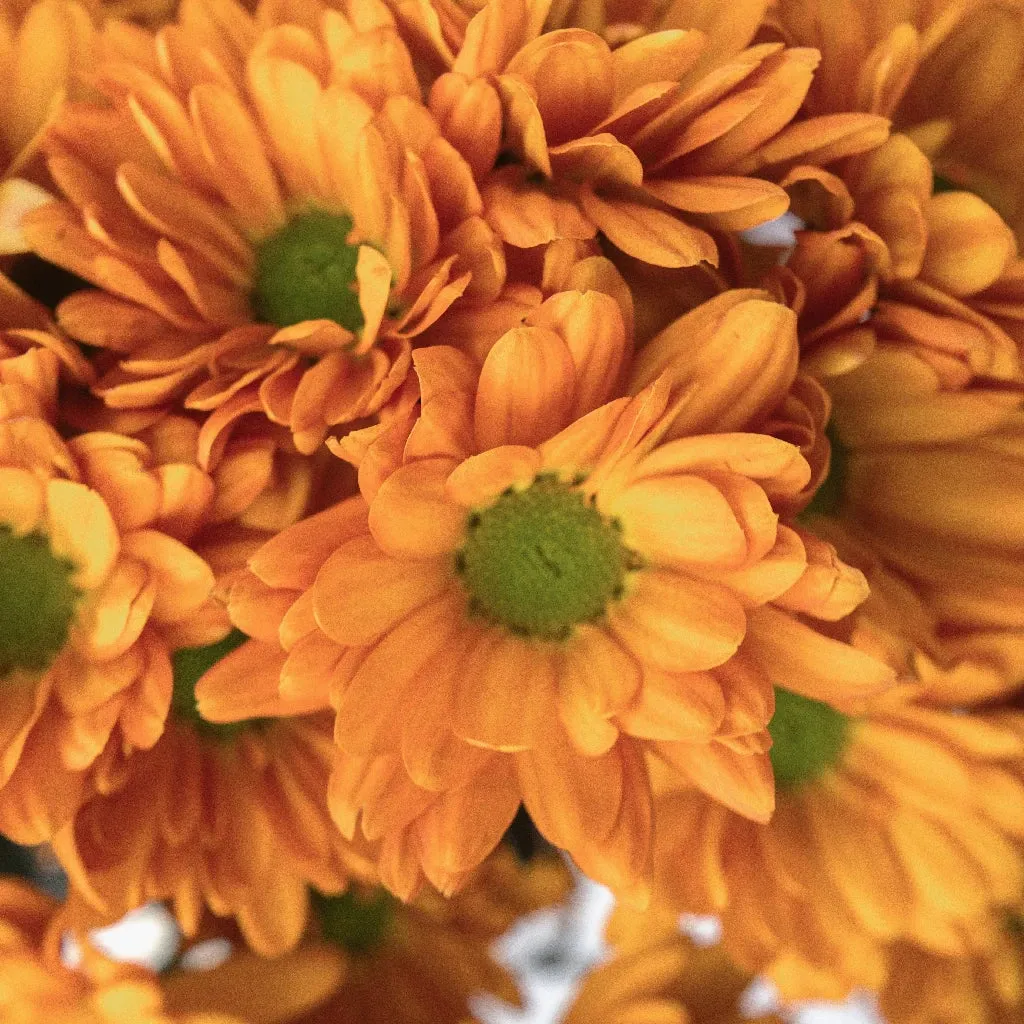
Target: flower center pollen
{"x": 808, "y": 738}
{"x": 307, "y": 271}
{"x": 542, "y": 560}
{"x": 37, "y": 602}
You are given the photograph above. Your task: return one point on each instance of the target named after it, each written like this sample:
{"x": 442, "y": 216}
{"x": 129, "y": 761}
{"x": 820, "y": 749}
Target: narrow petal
{"x": 743, "y": 783}
{"x": 650, "y": 235}
{"x": 795, "y": 656}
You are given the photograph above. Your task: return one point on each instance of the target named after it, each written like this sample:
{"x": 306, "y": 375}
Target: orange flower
{"x": 98, "y": 586}
{"x": 911, "y": 312}
{"x": 276, "y": 227}
{"x": 533, "y": 601}
{"x": 417, "y": 964}
{"x": 651, "y": 142}
{"x": 656, "y": 974}
{"x": 35, "y": 986}
{"x": 233, "y": 818}
{"x": 886, "y": 260}
{"x": 902, "y": 823}
{"x": 949, "y": 74}
{"x": 984, "y": 987}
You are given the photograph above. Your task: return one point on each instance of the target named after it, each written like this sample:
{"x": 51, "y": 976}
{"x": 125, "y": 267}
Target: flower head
{"x": 542, "y": 592}
{"x": 35, "y": 985}
{"x": 891, "y": 825}
{"x": 664, "y": 140}
{"x": 296, "y": 220}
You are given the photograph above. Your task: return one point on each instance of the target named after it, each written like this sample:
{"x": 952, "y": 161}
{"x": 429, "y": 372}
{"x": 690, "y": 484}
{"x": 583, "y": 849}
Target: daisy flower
{"x": 540, "y": 595}
{"x": 654, "y": 142}
{"x": 948, "y": 74}
{"x": 264, "y": 221}
{"x": 98, "y": 586}
{"x": 35, "y": 985}
{"x": 897, "y": 824}
{"x": 231, "y": 818}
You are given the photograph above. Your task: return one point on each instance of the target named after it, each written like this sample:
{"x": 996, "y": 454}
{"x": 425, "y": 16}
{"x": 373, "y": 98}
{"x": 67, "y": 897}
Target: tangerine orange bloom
{"x": 415, "y": 964}
{"x": 948, "y": 73}
{"x": 885, "y": 259}
{"x": 539, "y": 596}
{"x": 657, "y": 974}
{"x": 35, "y": 986}
{"x": 910, "y": 311}
{"x": 233, "y": 818}
{"x": 653, "y": 142}
{"x": 898, "y": 824}
{"x": 98, "y": 586}
{"x": 984, "y": 987}
{"x": 276, "y": 227}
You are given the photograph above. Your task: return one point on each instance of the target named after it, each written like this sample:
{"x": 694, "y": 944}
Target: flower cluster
{"x": 425, "y": 422}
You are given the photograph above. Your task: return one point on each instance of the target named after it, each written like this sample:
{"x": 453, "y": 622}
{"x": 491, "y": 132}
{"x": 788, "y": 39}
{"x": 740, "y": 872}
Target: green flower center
{"x": 37, "y": 602}
{"x": 190, "y": 664}
{"x": 542, "y": 560}
{"x": 808, "y": 738}
{"x": 307, "y": 271}
{"x": 358, "y": 922}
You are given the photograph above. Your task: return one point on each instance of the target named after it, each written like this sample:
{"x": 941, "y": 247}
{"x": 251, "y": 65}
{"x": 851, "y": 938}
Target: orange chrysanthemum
{"x": 911, "y": 312}
{"x": 233, "y": 818}
{"x": 984, "y": 987}
{"x": 35, "y": 986}
{"x": 416, "y": 964}
{"x": 98, "y": 586}
{"x": 270, "y": 216}
{"x": 657, "y": 974}
{"x": 948, "y": 72}
{"x": 902, "y": 823}
{"x": 650, "y": 142}
{"x": 534, "y": 601}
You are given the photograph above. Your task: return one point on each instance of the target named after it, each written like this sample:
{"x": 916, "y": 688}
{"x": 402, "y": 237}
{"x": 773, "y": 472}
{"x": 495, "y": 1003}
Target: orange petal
{"x": 81, "y": 529}
{"x": 243, "y": 684}
{"x": 370, "y": 708}
{"x": 650, "y": 235}
{"x": 434, "y": 756}
{"x": 480, "y": 479}
{"x": 729, "y": 203}
{"x": 968, "y": 244}
{"x": 677, "y": 623}
{"x": 413, "y": 517}
{"x": 292, "y": 559}
{"x": 526, "y": 389}
{"x": 592, "y": 326}
{"x": 504, "y": 680}
{"x": 795, "y": 656}
{"x": 597, "y": 678}
{"x": 360, "y": 592}
{"x": 686, "y": 706}
{"x": 675, "y": 521}
{"x": 743, "y": 783}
